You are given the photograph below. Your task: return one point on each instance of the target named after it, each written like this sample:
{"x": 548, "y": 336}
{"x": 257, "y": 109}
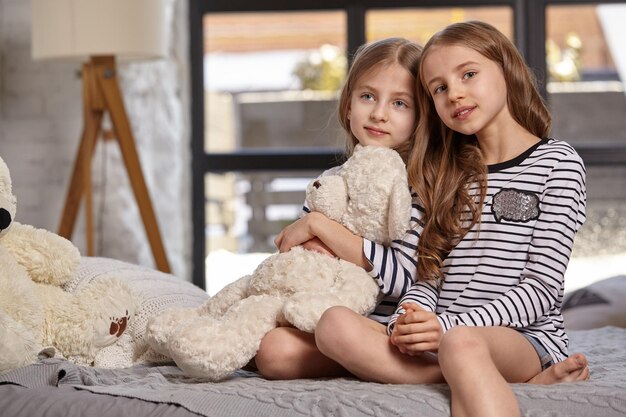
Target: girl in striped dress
{"x": 496, "y": 207}
{"x": 376, "y": 108}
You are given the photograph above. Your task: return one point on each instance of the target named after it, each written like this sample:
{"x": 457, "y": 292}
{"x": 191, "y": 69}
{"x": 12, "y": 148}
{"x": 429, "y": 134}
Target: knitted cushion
{"x": 156, "y": 292}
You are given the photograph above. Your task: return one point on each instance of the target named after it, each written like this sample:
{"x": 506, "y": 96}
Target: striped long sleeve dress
{"x": 509, "y": 269}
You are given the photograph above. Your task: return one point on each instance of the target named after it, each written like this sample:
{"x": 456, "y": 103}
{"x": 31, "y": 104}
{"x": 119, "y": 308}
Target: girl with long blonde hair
{"x": 496, "y": 207}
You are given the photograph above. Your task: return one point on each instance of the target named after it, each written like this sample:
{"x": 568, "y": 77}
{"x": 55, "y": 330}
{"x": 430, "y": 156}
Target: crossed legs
{"x": 289, "y": 353}
{"x": 575, "y": 368}
{"x": 475, "y": 361}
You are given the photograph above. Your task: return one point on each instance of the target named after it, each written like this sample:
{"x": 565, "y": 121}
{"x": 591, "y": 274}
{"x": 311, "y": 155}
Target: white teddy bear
{"x": 369, "y": 195}
{"x": 35, "y": 312}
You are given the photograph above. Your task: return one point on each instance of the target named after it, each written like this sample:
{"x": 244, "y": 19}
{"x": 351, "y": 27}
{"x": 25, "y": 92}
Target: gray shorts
{"x": 544, "y": 356}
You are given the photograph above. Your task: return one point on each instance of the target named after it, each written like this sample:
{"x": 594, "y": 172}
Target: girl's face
{"x": 468, "y": 90}
{"x": 382, "y": 107}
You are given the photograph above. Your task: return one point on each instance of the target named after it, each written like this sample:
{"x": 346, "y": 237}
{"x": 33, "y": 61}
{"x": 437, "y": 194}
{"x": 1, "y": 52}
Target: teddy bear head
{"x": 369, "y": 194}
{"x": 8, "y": 203}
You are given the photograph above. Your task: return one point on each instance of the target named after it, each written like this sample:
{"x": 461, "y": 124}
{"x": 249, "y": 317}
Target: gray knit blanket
{"x": 246, "y": 394}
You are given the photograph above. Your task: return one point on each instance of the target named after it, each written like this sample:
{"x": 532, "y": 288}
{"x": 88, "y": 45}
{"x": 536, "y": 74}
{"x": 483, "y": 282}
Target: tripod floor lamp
{"x": 102, "y": 31}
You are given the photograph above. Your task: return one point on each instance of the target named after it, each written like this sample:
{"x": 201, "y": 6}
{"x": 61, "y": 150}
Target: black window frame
{"x": 529, "y": 32}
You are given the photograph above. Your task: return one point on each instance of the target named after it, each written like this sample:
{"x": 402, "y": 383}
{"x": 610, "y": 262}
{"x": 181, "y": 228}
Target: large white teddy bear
{"x": 369, "y": 195}
{"x": 35, "y": 312}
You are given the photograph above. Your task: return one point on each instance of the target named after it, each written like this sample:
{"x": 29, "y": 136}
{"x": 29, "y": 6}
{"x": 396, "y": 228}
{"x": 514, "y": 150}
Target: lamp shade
{"x": 129, "y": 29}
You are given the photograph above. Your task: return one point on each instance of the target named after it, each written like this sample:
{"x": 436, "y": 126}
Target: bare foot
{"x": 575, "y": 368}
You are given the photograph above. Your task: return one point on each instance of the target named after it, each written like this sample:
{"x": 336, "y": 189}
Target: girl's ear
{"x": 349, "y": 114}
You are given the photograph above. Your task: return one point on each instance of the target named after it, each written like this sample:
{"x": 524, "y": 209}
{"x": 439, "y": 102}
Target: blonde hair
{"x": 368, "y": 58}
{"x": 444, "y": 164}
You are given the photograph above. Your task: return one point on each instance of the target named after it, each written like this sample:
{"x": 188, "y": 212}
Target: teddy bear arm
{"x": 19, "y": 344}
{"x": 47, "y": 257}
{"x": 226, "y": 297}
{"x": 82, "y": 323}
{"x": 303, "y": 310}
{"x": 356, "y": 289}
{"x": 21, "y": 315}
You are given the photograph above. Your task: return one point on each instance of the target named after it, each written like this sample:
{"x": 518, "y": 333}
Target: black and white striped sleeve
{"x": 422, "y": 293}
{"x": 394, "y": 266}
{"x": 562, "y": 212}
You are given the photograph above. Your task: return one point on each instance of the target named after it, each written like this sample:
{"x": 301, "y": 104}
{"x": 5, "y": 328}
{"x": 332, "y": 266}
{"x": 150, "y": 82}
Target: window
{"x": 588, "y": 103}
{"x": 271, "y": 81}
{"x": 420, "y": 24}
{"x": 265, "y": 76}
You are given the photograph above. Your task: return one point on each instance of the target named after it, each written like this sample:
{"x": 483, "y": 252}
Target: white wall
{"x": 40, "y": 126}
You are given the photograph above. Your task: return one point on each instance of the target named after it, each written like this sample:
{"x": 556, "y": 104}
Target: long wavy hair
{"x": 371, "y": 57}
{"x": 445, "y": 167}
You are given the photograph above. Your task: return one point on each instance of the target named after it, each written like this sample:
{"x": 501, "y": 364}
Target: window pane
{"x": 420, "y": 24}
{"x": 585, "y": 92}
{"x": 244, "y": 213}
{"x": 586, "y": 97}
{"x": 600, "y": 246}
{"x": 271, "y": 79}
{"x": 271, "y": 82}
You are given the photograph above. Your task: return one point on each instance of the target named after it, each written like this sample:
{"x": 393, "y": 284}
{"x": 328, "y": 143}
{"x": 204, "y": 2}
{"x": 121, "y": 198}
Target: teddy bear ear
{"x": 399, "y": 210}
{"x": 7, "y": 199}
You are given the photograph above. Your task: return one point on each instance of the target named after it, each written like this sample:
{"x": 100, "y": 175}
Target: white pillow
{"x": 156, "y": 291}
{"x": 600, "y": 304}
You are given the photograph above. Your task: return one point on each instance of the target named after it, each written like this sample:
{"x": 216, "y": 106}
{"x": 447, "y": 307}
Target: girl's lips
{"x": 463, "y": 112}
{"x": 374, "y": 131}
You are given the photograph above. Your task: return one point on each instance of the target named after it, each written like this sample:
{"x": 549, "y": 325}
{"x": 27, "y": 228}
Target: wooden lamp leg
{"x": 107, "y": 79}
{"x": 81, "y": 173}
{"x": 101, "y": 92}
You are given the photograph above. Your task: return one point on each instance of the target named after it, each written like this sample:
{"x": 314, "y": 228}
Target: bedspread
{"x": 248, "y": 395}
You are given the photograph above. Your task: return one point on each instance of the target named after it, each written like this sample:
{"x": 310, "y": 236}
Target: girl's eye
{"x": 469, "y": 74}
{"x": 439, "y": 89}
{"x": 367, "y": 96}
{"x": 400, "y": 103}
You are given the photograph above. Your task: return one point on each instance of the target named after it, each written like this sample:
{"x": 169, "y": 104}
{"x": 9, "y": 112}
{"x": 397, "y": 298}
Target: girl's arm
{"x": 392, "y": 266}
{"x": 338, "y": 239}
{"x": 316, "y": 245}
{"x": 395, "y": 266}
{"x": 562, "y": 213}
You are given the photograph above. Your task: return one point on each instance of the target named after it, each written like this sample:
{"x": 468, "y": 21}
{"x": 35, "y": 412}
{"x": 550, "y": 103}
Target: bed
{"x": 133, "y": 387}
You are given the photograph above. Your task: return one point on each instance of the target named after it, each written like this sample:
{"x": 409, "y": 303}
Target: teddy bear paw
{"x": 110, "y": 328}
{"x": 118, "y": 324}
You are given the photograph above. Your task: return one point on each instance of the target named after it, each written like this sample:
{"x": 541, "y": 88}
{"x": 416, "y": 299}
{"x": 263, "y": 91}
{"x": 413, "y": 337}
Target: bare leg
{"x": 289, "y": 353}
{"x": 362, "y": 346}
{"x": 575, "y": 368}
{"x": 479, "y": 362}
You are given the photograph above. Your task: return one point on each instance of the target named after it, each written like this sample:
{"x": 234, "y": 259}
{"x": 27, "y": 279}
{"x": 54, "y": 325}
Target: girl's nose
{"x": 379, "y": 113}
{"x": 455, "y": 92}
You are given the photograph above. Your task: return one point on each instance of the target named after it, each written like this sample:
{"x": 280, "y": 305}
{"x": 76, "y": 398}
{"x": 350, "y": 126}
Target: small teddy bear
{"x": 370, "y": 196}
{"x": 35, "y": 312}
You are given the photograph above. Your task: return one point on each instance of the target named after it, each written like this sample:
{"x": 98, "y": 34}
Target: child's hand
{"x": 317, "y": 245}
{"x": 295, "y": 234}
{"x": 416, "y": 331}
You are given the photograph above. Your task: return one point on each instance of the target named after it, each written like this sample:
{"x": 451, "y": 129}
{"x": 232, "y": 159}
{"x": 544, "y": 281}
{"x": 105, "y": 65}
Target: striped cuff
{"x": 446, "y": 322}
{"x": 368, "y": 251}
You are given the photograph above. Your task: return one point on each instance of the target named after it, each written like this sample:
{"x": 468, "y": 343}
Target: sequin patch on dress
{"x": 515, "y": 205}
